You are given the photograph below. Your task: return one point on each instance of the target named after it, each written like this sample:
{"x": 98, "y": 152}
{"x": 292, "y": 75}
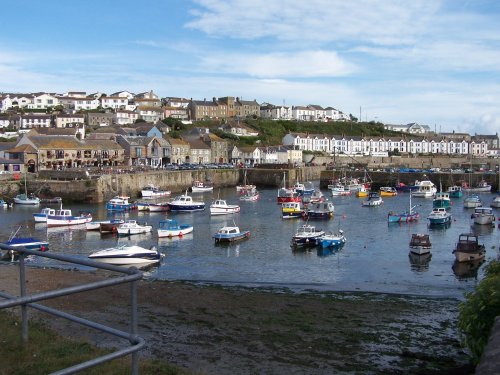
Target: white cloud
{"x": 276, "y": 65}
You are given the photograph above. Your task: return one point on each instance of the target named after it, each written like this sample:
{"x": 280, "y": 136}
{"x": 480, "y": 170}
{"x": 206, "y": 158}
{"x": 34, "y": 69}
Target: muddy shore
{"x": 217, "y": 330}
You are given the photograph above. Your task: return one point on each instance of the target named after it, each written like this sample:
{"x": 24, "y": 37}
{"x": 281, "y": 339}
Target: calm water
{"x": 375, "y": 257}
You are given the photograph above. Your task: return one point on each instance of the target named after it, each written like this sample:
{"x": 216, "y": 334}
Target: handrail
{"x": 131, "y": 275}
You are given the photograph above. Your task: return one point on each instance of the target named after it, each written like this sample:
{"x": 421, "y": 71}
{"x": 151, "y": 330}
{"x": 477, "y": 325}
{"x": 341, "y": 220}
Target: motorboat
{"x": 496, "y": 202}
{"x": 171, "y": 228}
{"x": 388, "y": 191}
{"x": 321, "y": 210}
{"x": 131, "y": 227}
{"x": 425, "y": 189}
{"x": 29, "y": 243}
{"x": 292, "y": 210}
{"x": 481, "y": 187}
{"x": 332, "y": 240}
{"x": 362, "y": 192}
{"x": 110, "y": 226}
{"x": 159, "y": 207}
{"x": 185, "y": 203}
{"x": 374, "y": 199}
{"x": 340, "y": 190}
{"x": 442, "y": 200}
{"x": 468, "y": 248}
{"x": 404, "y": 217}
{"x": 41, "y": 217}
{"x": 306, "y": 235}
{"x": 64, "y": 217}
{"x": 420, "y": 244}
{"x": 119, "y": 203}
{"x": 151, "y": 191}
{"x": 306, "y": 188}
{"x": 316, "y": 197}
{"x": 249, "y": 195}
{"x": 142, "y": 206}
{"x": 230, "y": 234}
{"x": 202, "y": 186}
{"x": 439, "y": 216}
{"x": 128, "y": 255}
{"x": 455, "y": 191}
{"x": 483, "y": 216}
{"x": 220, "y": 207}
{"x": 472, "y": 201}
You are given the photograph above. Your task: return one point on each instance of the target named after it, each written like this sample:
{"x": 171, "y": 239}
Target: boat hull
{"x": 227, "y": 238}
{"x": 181, "y": 231}
{"x": 186, "y": 208}
{"x": 60, "y": 222}
{"x": 462, "y": 256}
{"x": 224, "y": 210}
{"x": 402, "y": 218}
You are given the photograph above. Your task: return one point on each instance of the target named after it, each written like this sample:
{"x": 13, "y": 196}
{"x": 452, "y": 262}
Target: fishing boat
{"x": 286, "y": 194}
{"x": 64, "y": 217}
{"x": 159, "y": 207}
{"x": 455, "y": 191}
{"x": 483, "y": 216}
{"x": 321, "y": 210}
{"x": 249, "y": 195}
{"x": 316, "y": 197}
{"x": 420, "y": 243}
{"x": 25, "y": 198}
{"x": 171, "y": 228}
{"x": 439, "y": 216}
{"x": 306, "y": 235}
{"x": 292, "y": 210}
{"x": 131, "y": 227}
{"x": 230, "y": 234}
{"x": 202, "y": 186}
{"x": 481, "y": 187}
{"x": 425, "y": 189}
{"x": 340, "y": 190}
{"x": 332, "y": 240}
{"x": 306, "y": 188}
{"x": 128, "y": 256}
{"x": 405, "y": 216}
{"x": 119, "y": 203}
{"x": 468, "y": 248}
{"x": 185, "y": 203}
{"x": 388, "y": 191}
{"x": 472, "y": 201}
{"x": 374, "y": 199}
{"x": 496, "y": 202}
{"x": 220, "y": 207}
{"x": 442, "y": 200}
{"x": 362, "y": 192}
{"x": 110, "y": 226}
{"x": 151, "y": 191}
{"x": 41, "y": 217}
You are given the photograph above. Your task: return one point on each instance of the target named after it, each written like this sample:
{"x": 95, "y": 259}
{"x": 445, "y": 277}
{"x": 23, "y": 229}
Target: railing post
{"x": 133, "y": 325}
{"x": 24, "y": 307}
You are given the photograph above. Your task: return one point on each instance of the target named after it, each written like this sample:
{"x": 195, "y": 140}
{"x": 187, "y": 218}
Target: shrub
{"x": 478, "y": 311}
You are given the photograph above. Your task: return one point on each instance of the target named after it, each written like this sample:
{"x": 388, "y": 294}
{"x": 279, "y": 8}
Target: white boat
{"x": 202, "y": 186}
{"x": 41, "y": 217}
{"x": 420, "y": 244}
{"x": 159, "y": 207}
{"x": 25, "y": 198}
{"x": 249, "y": 195}
{"x": 185, "y": 203}
{"x": 496, "y": 202}
{"x": 133, "y": 227}
{"x": 336, "y": 240}
{"x": 483, "y": 216}
{"x": 339, "y": 190}
{"x": 245, "y": 185}
{"x": 171, "y": 228}
{"x": 425, "y": 189}
{"x": 230, "y": 234}
{"x": 472, "y": 201}
{"x": 151, "y": 191}
{"x": 468, "y": 248}
{"x": 321, "y": 210}
{"x": 97, "y": 224}
{"x": 64, "y": 217}
{"x": 439, "y": 216}
{"x": 220, "y": 207}
{"x": 482, "y": 187}
{"x": 128, "y": 255}
{"x": 119, "y": 203}
{"x": 307, "y": 235}
{"x": 4, "y": 204}
{"x": 374, "y": 199}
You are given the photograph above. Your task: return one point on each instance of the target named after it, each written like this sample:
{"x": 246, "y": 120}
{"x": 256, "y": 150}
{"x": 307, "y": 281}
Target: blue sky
{"x": 435, "y": 62}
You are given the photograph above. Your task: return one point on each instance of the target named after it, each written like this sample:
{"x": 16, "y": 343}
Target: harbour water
{"x": 375, "y": 257}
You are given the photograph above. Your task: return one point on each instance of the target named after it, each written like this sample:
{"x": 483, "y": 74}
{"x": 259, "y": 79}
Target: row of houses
{"x": 478, "y": 146}
{"x": 144, "y": 146}
{"x": 125, "y": 108}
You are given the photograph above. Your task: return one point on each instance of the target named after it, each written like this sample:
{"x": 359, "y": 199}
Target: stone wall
{"x": 490, "y": 360}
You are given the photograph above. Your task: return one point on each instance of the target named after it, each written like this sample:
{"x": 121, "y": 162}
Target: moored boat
{"x": 341, "y": 190}
{"x": 151, "y": 191}
{"x": 119, "y": 203}
{"x": 30, "y": 243}
{"x": 439, "y": 216}
{"x": 481, "y": 187}
{"x": 388, "y": 191}
{"x": 483, "y": 216}
{"x": 110, "y": 226}
{"x": 185, "y": 203}
{"x": 332, "y": 239}
{"x": 292, "y": 210}
{"x": 128, "y": 255}
{"x": 249, "y": 195}
{"x": 496, "y": 202}
{"x": 306, "y": 235}
{"x": 26, "y": 199}
{"x": 425, "y": 189}
{"x": 171, "y": 228}
{"x": 220, "y": 207}
{"x": 374, "y": 199}
{"x": 159, "y": 207}
{"x": 131, "y": 227}
{"x": 455, "y": 191}
{"x": 468, "y": 248}
{"x": 472, "y": 201}
{"x": 64, "y": 217}
{"x": 202, "y": 186}
{"x": 420, "y": 243}
{"x": 320, "y": 210}
{"x": 405, "y": 216}
{"x": 41, "y": 217}
{"x": 442, "y": 200}
{"x": 230, "y": 234}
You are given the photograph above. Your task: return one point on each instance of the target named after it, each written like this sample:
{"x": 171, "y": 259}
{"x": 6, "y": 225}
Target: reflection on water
{"x": 467, "y": 270}
{"x": 482, "y": 230}
{"x": 419, "y": 263}
{"x": 439, "y": 227}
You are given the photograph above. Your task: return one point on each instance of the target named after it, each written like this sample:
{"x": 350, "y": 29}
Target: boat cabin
{"x": 229, "y": 230}
{"x": 420, "y": 240}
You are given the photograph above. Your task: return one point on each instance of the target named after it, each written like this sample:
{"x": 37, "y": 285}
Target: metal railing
{"x": 130, "y": 275}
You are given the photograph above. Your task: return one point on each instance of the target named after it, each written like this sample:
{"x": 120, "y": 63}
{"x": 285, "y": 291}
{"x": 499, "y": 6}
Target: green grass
{"x": 47, "y": 351}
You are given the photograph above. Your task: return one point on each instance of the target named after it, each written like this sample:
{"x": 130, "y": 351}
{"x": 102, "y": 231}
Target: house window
{"x": 138, "y": 152}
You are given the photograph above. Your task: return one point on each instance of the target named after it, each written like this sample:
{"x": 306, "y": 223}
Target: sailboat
{"x": 472, "y": 200}
{"x": 405, "y": 216}
{"x": 245, "y": 185}
{"x": 287, "y": 194}
{"x": 25, "y": 198}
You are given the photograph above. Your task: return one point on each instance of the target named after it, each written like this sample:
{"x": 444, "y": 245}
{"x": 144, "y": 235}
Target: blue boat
{"x": 306, "y": 235}
{"x": 321, "y": 210}
{"x": 29, "y": 243}
{"x": 119, "y": 203}
{"x": 230, "y": 234}
{"x": 442, "y": 200}
{"x": 455, "y": 191}
{"x": 405, "y": 216}
{"x": 332, "y": 240}
{"x": 185, "y": 203}
{"x": 439, "y": 216}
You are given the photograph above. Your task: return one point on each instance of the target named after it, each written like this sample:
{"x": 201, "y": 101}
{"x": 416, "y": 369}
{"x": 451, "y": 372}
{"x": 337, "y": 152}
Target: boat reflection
{"x": 327, "y": 251}
{"x": 439, "y": 227}
{"x": 419, "y": 263}
{"x": 482, "y": 230}
{"x": 466, "y": 270}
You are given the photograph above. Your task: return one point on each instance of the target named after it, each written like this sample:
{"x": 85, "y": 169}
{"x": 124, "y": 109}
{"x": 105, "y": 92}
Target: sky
{"x": 434, "y": 62}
